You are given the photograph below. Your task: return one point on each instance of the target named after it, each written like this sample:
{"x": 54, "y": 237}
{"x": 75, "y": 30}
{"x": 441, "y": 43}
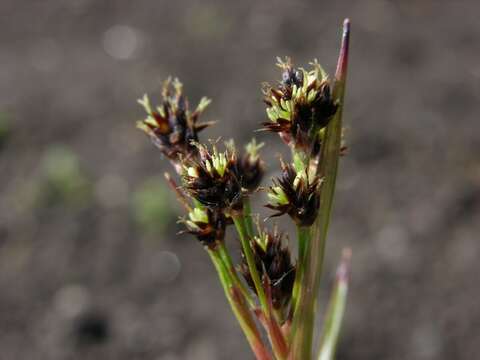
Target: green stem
{"x": 241, "y": 226}
{"x": 279, "y": 345}
{"x": 304, "y": 235}
{"x": 228, "y": 263}
{"x": 239, "y": 308}
{"x": 303, "y": 322}
{"x": 247, "y": 213}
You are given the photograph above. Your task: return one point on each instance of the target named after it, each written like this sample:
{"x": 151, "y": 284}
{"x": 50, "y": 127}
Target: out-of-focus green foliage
{"x": 64, "y": 181}
{"x": 151, "y": 206}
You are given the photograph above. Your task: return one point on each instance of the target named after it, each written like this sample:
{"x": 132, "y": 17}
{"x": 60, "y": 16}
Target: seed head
{"x": 212, "y": 179}
{"x": 273, "y": 260}
{"x": 172, "y": 126}
{"x": 296, "y": 195}
{"x": 300, "y": 106}
{"x": 249, "y": 167}
{"x": 207, "y": 225}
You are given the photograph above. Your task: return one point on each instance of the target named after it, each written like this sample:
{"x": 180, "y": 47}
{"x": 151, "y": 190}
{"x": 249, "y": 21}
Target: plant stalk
{"x": 239, "y": 308}
{"x": 304, "y": 236}
{"x": 247, "y": 212}
{"x": 228, "y": 263}
{"x": 274, "y": 332}
{"x": 242, "y": 229}
{"x": 304, "y": 319}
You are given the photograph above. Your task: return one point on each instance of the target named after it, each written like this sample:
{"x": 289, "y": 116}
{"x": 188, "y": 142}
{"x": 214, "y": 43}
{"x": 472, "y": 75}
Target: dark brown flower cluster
{"x": 296, "y": 195}
{"x": 273, "y": 263}
{"x": 250, "y": 168}
{"x": 218, "y": 180}
{"x": 300, "y": 106}
{"x": 212, "y": 180}
{"x": 172, "y": 126}
{"x": 207, "y": 225}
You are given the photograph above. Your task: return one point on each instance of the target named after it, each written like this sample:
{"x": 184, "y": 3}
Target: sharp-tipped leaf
{"x": 336, "y": 310}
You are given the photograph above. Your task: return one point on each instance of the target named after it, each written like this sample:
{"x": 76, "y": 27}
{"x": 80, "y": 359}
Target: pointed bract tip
{"x": 343, "y": 270}
{"x": 342, "y": 64}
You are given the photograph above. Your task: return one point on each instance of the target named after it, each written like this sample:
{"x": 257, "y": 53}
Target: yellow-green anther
{"x": 145, "y": 102}
{"x": 202, "y": 105}
{"x": 219, "y": 162}
{"x": 261, "y": 240}
{"x": 198, "y": 215}
{"x": 177, "y": 85}
{"x": 272, "y": 114}
{"x": 284, "y": 114}
{"x": 192, "y": 172}
{"x": 277, "y": 196}
{"x": 209, "y": 166}
{"x": 161, "y": 111}
{"x": 252, "y": 149}
{"x": 142, "y": 126}
{"x": 191, "y": 225}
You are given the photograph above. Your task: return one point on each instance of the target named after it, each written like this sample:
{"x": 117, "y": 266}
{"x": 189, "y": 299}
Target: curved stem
{"x": 239, "y": 308}
{"x": 241, "y": 226}
{"x": 228, "y": 263}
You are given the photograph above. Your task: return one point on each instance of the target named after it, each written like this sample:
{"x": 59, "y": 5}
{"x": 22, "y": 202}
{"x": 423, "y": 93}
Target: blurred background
{"x": 90, "y": 266}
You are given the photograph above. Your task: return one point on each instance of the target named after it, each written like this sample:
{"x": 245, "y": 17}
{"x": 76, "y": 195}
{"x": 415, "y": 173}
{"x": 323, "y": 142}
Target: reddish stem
{"x": 341, "y": 73}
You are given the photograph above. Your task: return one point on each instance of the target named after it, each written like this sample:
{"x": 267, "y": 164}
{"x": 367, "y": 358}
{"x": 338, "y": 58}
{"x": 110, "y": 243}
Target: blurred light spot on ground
{"x": 45, "y": 55}
{"x": 112, "y": 191}
{"x": 374, "y": 15}
{"x": 206, "y": 22}
{"x": 463, "y": 250}
{"x": 393, "y": 247}
{"x": 168, "y": 357}
{"x": 122, "y": 42}
{"x": 79, "y": 7}
{"x": 18, "y": 201}
{"x": 170, "y": 331}
{"x": 201, "y": 349}
{"x": 475, "y": 71}
{"x": 72, "y": 300}
{"x": 425, "y": 342}
{"x": 132, "y": 140}
{"x": 392, "y": 242}
{"x": 166, "y": 266}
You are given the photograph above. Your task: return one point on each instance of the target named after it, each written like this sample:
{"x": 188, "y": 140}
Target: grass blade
{"x": 336, "y": 309}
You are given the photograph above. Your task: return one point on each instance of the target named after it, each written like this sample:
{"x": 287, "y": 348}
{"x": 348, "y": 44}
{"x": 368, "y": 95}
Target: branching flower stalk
{"x": 268, "y": 288}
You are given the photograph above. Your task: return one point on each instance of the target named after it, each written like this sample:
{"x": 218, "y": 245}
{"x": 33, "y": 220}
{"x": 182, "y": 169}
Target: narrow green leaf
{"x": 336, "y": 310}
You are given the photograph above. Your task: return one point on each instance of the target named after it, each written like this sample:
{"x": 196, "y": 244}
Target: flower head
{"x": 273, "y": 261}
{"x": 300, "y": 106}
{"x": 207, "y": 225}
{"x": 172, "y": 126}
{"x": 212, "y": 179}
{"x": 249, "y": 167}
{"x": 296, "y": 195}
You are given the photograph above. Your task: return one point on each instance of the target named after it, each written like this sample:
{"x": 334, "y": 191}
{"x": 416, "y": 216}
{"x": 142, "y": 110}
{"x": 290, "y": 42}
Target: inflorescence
{"x": 215, "y": 186}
